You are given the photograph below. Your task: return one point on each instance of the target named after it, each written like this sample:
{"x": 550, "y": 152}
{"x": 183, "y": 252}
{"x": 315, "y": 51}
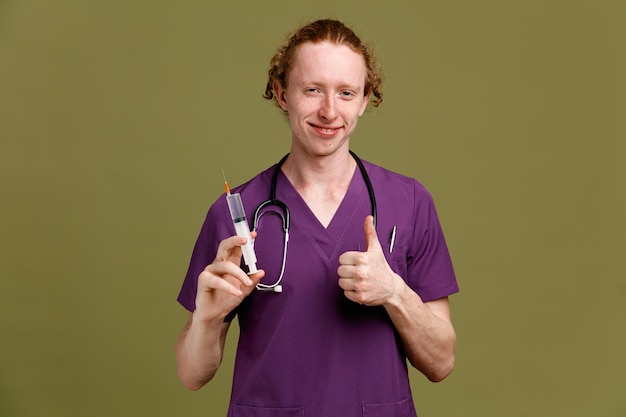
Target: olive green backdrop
{"x": 117, "y": 116}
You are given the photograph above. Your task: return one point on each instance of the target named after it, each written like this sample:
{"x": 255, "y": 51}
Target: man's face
{"x": 324, "y": 96}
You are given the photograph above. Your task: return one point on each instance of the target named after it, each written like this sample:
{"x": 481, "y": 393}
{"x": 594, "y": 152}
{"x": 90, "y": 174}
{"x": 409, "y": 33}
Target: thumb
{"x": 371, "y": 237}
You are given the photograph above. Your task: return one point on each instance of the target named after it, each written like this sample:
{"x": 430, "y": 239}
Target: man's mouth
{"x": 327, "y": 131}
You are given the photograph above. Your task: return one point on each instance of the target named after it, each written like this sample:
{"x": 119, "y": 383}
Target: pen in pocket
{"x": 393, "y": 239}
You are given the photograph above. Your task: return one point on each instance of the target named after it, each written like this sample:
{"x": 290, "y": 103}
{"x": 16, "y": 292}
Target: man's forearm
{"x": 199, "y": 351}
{"x": 426, "y": 332}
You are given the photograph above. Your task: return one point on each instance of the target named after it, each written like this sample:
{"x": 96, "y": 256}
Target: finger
{"x": 256, "y": 277}
{"x": 249, "y": 281}
{"x": 226, "y": 246}
{"x": 348, "y": 258}
{"x": 345, "y": 271}
{"x": 346, "y": 284}
{"x": 226, "y": 268}
{"x": 254, "y": 280}
{"x": 210, "y": 282}
{"x": 371, "y": 237}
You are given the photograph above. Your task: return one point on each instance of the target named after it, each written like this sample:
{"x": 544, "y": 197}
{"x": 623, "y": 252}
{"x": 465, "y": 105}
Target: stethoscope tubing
{"x": 273, "y": 201}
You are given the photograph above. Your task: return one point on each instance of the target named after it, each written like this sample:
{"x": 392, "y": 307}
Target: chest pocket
{"x": 397, "y": 259}
{"x": 399, "y": 409}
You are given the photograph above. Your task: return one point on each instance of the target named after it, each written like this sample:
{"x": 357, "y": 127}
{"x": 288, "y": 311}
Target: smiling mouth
{"x": 326, "y": 130}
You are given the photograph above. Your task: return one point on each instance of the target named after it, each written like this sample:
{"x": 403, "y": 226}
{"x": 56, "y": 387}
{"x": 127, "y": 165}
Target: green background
{"x": 117, "y": 116}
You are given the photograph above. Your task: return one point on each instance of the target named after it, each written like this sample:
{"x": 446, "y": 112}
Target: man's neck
{"x": 321, "y": 181}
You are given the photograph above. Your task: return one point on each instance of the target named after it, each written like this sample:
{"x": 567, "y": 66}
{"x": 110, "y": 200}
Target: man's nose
{"x": 328, "y": 110}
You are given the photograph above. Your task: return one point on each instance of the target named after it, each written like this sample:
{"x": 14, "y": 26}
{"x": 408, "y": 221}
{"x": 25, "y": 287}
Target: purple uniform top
{"x": 309, "y": 351}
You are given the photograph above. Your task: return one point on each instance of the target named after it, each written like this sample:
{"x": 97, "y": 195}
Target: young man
{"x": 367, "y": 273}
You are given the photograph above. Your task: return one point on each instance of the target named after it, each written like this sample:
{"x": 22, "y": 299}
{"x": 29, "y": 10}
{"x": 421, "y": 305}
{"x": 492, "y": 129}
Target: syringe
{"x": 238, "y": 214}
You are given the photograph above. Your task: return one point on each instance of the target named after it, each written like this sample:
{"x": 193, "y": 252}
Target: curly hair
{"x": 316, "y": 32}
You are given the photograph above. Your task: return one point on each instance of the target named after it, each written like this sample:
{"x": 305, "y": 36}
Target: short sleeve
{"x": 430, "y": 270}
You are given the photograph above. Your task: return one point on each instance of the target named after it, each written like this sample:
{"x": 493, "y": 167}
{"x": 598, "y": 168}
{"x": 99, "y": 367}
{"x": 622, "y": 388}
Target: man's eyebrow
{"x": 342, "y": 86}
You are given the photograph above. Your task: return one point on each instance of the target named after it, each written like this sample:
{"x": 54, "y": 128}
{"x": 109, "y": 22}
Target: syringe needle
{"x": 225, "y": 183}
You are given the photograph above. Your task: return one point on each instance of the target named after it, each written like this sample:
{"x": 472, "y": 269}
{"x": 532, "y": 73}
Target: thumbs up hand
{"x": 366, "y": 277}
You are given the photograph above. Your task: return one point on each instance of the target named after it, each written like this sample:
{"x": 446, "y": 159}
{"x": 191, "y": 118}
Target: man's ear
{"x": 279, "y": 92}
{"x": 366, "y": 100}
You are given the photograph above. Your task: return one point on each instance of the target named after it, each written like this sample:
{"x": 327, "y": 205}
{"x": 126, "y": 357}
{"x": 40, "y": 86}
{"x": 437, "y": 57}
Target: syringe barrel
{"x": 236, "y": 207}
{"x": 242, "y": 229}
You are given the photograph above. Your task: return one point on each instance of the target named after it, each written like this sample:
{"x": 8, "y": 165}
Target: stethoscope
{"x": 284, "y": 215}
